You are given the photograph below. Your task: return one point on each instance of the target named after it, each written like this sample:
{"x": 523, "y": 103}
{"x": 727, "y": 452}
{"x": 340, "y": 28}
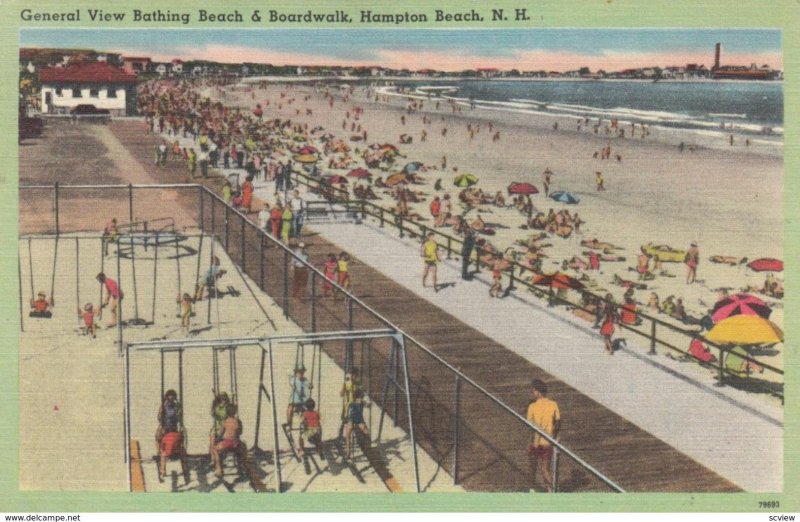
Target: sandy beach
{"x": 727, "y": 201}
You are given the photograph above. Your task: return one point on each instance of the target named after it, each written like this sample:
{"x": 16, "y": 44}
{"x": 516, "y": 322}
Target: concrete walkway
{"x": 725, "y": 429}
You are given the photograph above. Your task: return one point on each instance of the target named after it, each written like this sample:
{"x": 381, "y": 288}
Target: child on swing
{"x": 169, "y": 436}
{"x": 355, "y": 419}
{"x": 311, "y": 428}
{"x": 88, "y": 313}
{"x": 40, "y": 307}
{"x": 301, "y": 390}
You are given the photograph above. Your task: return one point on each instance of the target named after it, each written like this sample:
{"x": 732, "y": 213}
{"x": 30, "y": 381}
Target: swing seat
{"x": 47, "y": 314}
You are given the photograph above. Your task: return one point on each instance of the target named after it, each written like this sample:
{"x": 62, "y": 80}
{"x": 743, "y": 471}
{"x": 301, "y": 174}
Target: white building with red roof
{"x": 91, "y": 83}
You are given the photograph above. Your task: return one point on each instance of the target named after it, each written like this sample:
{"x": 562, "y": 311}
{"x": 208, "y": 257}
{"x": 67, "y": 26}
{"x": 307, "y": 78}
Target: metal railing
{"x": 466, "y": 445}
{"x": 452, "y": 247}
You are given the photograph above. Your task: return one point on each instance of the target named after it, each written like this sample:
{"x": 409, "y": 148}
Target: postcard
{"x": 523, "y": 256}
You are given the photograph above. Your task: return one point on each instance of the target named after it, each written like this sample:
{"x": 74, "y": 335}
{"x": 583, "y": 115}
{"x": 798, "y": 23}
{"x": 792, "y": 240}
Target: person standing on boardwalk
{"x": 430, "y": 254}
{"x": 247, "y": 194}
{"x": 466, "y": 249}
{"x": 300, "y": 272}
{"x": 545, "y": 415}
{"x": 692, "y": 259}
{"x": 298, "y": 210}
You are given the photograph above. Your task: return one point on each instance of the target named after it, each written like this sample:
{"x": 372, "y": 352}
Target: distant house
{"x": 488, "y": 72}
{"x": 161, "y": 69}
{"x": 176, "y": 67}
{"x": 91, "y": 83}
{"x": 135, "y": 64}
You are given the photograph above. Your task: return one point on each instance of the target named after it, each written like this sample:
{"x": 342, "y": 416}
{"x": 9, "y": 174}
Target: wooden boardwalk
{"x": 491, "y": 444}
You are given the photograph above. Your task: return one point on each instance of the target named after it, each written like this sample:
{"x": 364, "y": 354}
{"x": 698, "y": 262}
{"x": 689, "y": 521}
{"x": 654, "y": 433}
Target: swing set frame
{"x": 398, "y": 361}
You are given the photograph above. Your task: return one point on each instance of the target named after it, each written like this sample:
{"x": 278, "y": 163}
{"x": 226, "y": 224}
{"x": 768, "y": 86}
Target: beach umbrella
{"x": 308, "y": 149}
{"x": 745, "y": 330}
{"x": 396, "y": 179}
{"x": 306, "y": 158}
{"x": 522, "y": 188}
{"x": 359, "y": 173}
{"x": 389, "y": 146}
{"x": 465, "y": 180}
{"x": 766, "y": 264}
{"x": 413, "y": 167}
{"x": 557, "y": 280}
{"x": 740, "y": 304}
{"x": 565, "y": 197}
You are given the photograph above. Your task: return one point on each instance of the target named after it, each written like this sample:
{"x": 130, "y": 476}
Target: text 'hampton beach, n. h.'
{"x": 275, "y": 17}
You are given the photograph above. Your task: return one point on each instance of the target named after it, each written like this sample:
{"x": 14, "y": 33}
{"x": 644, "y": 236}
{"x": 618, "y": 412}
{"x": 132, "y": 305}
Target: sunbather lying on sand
{"x": 728, "y": 260}
{"x": 597, "y": 245}
{"x": 606, "y": 257}
{"x": 627, "y": 283}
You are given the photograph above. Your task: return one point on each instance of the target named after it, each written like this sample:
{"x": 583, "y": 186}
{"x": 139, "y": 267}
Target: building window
{"x": 58, "y": 92}
{"x": 94, "y": 93}
{"x": 111, "y": 92}
{"x": 76, "y": 92}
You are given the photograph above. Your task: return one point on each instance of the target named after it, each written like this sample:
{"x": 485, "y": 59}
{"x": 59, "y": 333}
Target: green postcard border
{"x": 780, "y": 14}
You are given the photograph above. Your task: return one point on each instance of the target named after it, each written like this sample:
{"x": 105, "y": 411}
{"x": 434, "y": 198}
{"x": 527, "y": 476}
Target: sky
{"x": 440, "y": 49}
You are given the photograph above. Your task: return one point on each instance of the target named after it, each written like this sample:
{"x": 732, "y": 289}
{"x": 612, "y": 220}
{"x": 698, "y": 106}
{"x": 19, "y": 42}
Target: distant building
{"x": 93, "y": 83}
{"x": 135, "y": 64}
{"x": 488, "y": 72}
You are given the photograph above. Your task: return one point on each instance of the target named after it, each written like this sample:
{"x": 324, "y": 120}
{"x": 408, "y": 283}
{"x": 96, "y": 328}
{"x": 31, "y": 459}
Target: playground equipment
{"x": 394, "y": 383}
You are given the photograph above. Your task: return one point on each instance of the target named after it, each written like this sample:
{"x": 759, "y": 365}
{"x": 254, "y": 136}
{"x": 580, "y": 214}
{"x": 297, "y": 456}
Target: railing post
{"x": 130, "y": 202}
{"x": 422, "y": 234}
{"x": 313, "y": 301}
{"x": 55, "y": 208}
{"x": 286, "y": 284}
{"x": 227, "y": 219}
{"x": 381, "y": 217}
{"x": 241, "y": 244}
{"x": 449, "y": 246}
{"x": 202, "y": 209}
{"x": 720, "y": 382}
{"x": 363, "y": 211}
{"x": 400, "y": 224}
{"x": 456, "y": 427}
{"x": 213, "y": 214}
{"x": 554, "y": 470}
{"x": 261, "y": 261}
{"x": 652, "y": 338}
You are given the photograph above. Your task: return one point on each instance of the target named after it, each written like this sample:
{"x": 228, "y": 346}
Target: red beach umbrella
{"x": 766, "y": 264}
{"x": 740, "y": 304}
{"x": 359, "y": 173}
{"x": 308, "y": 149}
{"x": 522, "y": 188}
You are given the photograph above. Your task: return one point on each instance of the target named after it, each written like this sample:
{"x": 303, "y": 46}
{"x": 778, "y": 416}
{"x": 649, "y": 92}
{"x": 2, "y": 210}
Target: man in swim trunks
{"x": 430, "y": 254}
{"x": 543, "y": 413}
{"x": 231, "y": 431}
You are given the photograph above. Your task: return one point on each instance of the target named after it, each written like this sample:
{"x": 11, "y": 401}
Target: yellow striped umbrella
{"x": 306, "y": 158}
{"x": 745, "y": 330}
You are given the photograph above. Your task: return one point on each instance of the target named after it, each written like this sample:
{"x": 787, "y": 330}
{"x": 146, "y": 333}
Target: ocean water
{"x": 750, "y": 107}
